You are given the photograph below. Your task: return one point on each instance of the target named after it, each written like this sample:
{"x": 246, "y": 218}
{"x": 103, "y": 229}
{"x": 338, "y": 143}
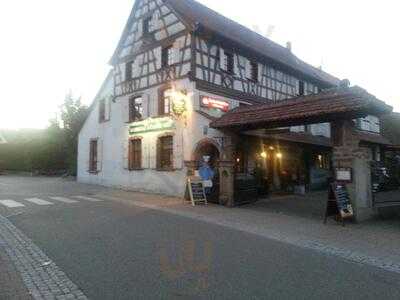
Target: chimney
{"x": 289, "y": 46}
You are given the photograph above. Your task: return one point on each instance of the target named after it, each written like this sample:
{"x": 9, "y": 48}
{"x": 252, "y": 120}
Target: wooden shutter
{"x": 100, "y": 155}
{"x": 158, "y": 154}
{"x": 125, "y": 154}
{"x": 136, "y": 153}
{"x": 161, "y": 105}
{"x": 88, "y": 157}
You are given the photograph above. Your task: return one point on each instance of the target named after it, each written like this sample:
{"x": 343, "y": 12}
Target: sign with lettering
{"x": 196, "y": 191}
{"x": 339, "y": 204}
{"x": 344, "y": 174}
{"x": 209, "y": 102}
{"x": 151, "y": 125}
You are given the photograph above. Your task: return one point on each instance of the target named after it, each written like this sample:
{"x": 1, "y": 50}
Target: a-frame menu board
{"x": 196, "y": 191}
{"x": 339, "y": 204}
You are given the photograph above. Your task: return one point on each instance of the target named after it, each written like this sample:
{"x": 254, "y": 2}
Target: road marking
{"x": 11, "y": 203}
{"x": 88, "y": 198}
{"x": 38, "y": 201}
{"x": 63, "y": 199}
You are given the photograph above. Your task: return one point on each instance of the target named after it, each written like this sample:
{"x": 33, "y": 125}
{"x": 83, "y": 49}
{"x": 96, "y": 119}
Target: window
{"x": 128, "y": 70}
{"x": 135, "y": 154}
{"x": 167, "y": 56}
{"x": 165, "y": 153}
{"x": 301, "y": 88}
{"x": 165, "y": 102}
{"x": 227, "y": 62}
{"x": 254, "y": 71}
{"x": 93, "y": 156}
{"x": 322, "y": 161}
{"x": 135, "y": 109}
{"x": 102, "y": 110}
{"x": 146, "y": 25}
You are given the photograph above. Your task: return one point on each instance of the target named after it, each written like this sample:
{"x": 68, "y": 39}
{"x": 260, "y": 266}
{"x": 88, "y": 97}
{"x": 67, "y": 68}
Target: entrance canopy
{"x": 328, "y": 106}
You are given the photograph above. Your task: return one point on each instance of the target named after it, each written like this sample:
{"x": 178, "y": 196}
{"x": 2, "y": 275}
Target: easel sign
{"x": 339, "y": 204}
{"x": 197, "y": 192}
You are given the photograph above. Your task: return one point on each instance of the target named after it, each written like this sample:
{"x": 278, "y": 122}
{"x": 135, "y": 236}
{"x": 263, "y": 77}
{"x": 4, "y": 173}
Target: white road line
{"x": 11, "y": 203}
{"x": 88, "y": 198}
{"x": 63, "y": 199}
{"x": 38, "y": 201}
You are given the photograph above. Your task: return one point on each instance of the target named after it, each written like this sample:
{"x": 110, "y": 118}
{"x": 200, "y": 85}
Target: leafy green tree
{"x": 50, "y": 150}
{"x": 73, "y": 116}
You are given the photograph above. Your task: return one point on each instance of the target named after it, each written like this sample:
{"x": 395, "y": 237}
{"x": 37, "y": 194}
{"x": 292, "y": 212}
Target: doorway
{"x": 207, "y": 148}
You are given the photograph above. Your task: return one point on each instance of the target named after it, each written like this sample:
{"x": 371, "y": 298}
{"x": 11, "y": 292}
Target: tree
{"x": 73, "y": 116}
{"x": 50, "y": 150}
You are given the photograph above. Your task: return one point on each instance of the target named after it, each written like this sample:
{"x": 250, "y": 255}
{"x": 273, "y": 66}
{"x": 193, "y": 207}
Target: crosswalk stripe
{"x": 88, "y": 198}
{"x": 11, "y": 203}
{"x": 63, "y": 199}
{"x": 38, "y": 201}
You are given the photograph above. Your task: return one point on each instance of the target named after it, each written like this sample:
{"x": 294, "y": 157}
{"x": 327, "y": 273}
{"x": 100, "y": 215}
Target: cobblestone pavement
{"x": 42, "y": 278}
{"x": 11, "y": 285}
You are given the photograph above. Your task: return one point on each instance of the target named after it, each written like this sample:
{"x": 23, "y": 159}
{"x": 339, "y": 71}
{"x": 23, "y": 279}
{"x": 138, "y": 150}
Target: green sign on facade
{"x": 151, "y": 125}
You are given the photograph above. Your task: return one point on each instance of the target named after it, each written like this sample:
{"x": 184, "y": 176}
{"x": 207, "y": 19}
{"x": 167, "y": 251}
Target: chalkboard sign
{"x": 196, "y": 191}
{"x": 339, "y": 204}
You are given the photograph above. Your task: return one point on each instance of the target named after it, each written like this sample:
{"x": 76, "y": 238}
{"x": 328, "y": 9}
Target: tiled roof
{"x": 196, "y": 14}
{"x": 326, "y": 106}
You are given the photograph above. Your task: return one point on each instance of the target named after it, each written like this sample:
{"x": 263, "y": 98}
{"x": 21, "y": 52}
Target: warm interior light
{"x": 263, "y": 154}
{"x": 271, "y": 148}
{"x": 279, "y": 155}
{"x": 238, "y": 160}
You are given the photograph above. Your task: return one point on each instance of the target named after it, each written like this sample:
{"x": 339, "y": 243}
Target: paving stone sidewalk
{"x": 374, "y": 243}
{"x": 11, "y": 284}
{"x": 40, "y": 276}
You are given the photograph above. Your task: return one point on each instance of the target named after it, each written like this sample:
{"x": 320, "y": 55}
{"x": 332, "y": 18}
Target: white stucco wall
{"x": 113, "y": 139}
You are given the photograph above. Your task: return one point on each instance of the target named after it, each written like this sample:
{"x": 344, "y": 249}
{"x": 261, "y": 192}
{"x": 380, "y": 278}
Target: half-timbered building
{"x": 179, "y": 67}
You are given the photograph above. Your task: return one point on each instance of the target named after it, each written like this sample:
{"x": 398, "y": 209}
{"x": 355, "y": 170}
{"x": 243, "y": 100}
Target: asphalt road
{"x": 114, "y": 251}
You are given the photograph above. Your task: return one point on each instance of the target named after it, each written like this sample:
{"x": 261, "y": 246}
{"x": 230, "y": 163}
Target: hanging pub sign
{"x": 210, "y": 103}
{"x": 339, "y": 204}
{"x": 151, "y": 125}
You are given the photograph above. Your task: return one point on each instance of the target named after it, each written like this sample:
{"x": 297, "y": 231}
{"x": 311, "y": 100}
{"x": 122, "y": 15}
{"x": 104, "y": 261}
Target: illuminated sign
{"x": 150, "y": 125}
{"x": 214, "y": 103}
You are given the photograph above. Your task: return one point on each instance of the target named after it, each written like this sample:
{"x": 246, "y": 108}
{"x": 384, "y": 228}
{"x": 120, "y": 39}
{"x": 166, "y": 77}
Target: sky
{"x": 50, "y": 47}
